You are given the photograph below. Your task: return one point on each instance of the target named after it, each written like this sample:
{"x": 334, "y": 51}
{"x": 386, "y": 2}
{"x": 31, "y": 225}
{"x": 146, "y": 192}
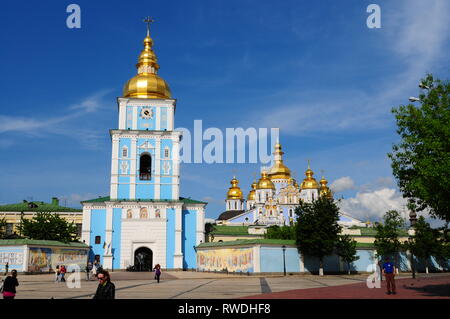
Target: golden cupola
{"x": 252, "y": 193}
{"x": 147, "y": 84}
{"x": 234, "y": 192}
{"x": 279, "y": 170}
{"x": 309, "y": 182}
{"x": 324, "y": 189}
{"x": 265, "y": 182}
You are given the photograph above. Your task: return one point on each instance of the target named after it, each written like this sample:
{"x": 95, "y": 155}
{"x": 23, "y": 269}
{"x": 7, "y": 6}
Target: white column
{"x": 122, "y": 115}
{"x": 107, "y": 256}
{"x": 133, "y": 161}
{"x": 256, "y": 259}
{"x": 178, "y": 256}
{"x": 157, "y": 176}
{"x": 176, "y": 168}
{"x": 170, "y": 118}
{"x": 26, "y": 257}
{"x": 86, "y": 226}
{"x": 200, "y": 226}
{"x": 114, "y": 167}
{"x": 158, "y": 118}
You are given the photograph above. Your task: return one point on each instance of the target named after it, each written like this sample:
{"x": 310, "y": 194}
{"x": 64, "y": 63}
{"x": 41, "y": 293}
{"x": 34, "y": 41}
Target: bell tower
{"x": 145, "y": 147}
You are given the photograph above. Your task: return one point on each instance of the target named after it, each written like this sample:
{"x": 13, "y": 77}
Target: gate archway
{"x": 143, "y": 259}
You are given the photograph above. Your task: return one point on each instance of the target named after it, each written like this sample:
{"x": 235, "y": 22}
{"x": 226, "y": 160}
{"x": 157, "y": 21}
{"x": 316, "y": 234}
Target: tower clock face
{"x": 147, "y": 113}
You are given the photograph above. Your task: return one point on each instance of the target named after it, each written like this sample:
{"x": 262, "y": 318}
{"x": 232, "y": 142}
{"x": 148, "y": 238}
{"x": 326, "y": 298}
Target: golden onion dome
{"x": 265, "y": 182}
{"x": 252, "y": 193}
{"x": 147, "y": 84}
{"x": 324, "y": 189}
{"x": 279, "y": 170}
{"x": 234, "y": 192}
{"x": 309, "y": 182}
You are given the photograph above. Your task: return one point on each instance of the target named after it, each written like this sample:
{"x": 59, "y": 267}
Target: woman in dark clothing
{"x": 9, "y": 285}
{"x": 157, "y": 270}
{"x": 105, "y": 289}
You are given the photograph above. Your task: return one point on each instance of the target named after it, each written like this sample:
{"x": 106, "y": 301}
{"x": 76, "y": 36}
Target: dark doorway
{"x": 145, "y": 167}
{"x": 143, "y": 259}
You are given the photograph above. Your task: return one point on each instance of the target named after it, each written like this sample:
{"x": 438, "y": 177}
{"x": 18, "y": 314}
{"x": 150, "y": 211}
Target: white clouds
{"x": 342, "y": 184}
{"x": 373, "y": 205}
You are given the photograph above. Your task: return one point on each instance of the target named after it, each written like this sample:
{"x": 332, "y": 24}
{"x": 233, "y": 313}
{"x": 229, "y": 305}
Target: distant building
{"x": 13, "y": 213}
{"x": 275, "y": 196}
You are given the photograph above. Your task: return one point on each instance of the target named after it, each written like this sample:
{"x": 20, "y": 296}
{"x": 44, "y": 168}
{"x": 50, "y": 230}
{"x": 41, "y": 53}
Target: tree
{"x": 387, "y": 241}
{"x": 47, "y": 226}
{"x": 283, "y": 232}
{"x": 425, "y": 241}
{"x": 317, "y": 228}
{"x": 346, "y": 249}
{"x": 421, "y": 161}
{"x": 209, "y": 231}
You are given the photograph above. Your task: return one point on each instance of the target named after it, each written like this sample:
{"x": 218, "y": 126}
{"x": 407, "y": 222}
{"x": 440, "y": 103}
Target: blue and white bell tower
{"x": 144, "y": 221}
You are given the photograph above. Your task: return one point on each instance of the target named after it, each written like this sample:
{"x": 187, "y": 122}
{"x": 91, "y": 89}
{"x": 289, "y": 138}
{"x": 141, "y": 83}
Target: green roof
{"x": 230, "y": 230}
{"x": 41, "y": 207}
{"x": 107, "y": 199}
{"x": 241, "y": 242}
{"x": 16, "y": 242}
{"x": 370, "y": 231}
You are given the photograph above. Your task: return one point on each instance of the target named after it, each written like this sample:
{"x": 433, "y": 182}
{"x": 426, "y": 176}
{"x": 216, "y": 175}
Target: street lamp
{"x": 284, "y": 259}
{"x": 413, "y": 99}
{"x": 423, "y": 86}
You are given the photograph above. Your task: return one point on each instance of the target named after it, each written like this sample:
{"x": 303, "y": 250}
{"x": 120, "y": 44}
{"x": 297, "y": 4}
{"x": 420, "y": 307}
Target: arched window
{"x": 145, "y": 167}
{"x": 235, "y": 205}
{"x": 129, "y": 214}
{"x": 125, "y": 151}
{"x": 166, "y": 152}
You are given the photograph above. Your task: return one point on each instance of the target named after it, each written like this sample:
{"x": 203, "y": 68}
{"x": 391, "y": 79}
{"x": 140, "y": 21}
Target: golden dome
{"x": 309, "y": 182}
{"x": 252, "y": 193}
{"x": 234, "y": 192}
{"x": 279, "y": 170}
{"x": 265, "y": 182}
{"x": 324, "y": 189}
{"x": 147, "y": 84}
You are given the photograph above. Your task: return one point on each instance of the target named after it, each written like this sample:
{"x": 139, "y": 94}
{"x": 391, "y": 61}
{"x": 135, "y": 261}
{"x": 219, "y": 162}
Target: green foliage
{"x": 283, "y": 232}
{"x": 387, "y": 241}
{"x": 2, "y": 228}
{"x": 317, "y": 228}
{"x": 346, "y": 249}
{"x": 426, "y": 240}
{"x": 421, "y": 161}
{"x": 47, "y": 226}
{"x": 209, "y": 229}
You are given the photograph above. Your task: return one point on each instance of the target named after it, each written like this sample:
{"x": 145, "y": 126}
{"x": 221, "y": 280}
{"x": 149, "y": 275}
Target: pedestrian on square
{"x": 88, "y": 271}
{"x": 57, "y": 274}
{"x": 389, "y": 274}
{"x": 9, "y": 286}
{"x": 105, "y": 289}
{"x": 6, "y": 268}
{"x": 157, "y": 270}
{"x": 63, "y": 273}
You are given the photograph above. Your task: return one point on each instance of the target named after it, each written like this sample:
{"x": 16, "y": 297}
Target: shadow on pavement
{"x": 431, "y": 290}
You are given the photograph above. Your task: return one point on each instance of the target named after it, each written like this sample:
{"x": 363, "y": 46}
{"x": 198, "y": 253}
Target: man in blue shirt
{"x": 389, "y": 274}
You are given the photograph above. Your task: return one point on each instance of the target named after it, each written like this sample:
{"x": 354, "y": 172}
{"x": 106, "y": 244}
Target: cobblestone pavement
{"x": 197, "y": 285}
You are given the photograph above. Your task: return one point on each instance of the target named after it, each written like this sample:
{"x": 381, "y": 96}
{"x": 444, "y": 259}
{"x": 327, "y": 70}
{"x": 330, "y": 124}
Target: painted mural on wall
{"x": 230, "y": 259}
{"x": 46, "y": 259}
{"x": 13, "y": 256}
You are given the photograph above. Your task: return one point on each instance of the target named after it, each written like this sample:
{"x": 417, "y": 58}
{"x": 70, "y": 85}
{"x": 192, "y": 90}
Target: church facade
{"x": 144, "y": 221}
{"x": 275, "y": 196}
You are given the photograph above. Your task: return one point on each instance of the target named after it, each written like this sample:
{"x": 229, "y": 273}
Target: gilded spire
{"x": 324, "y": 189}
{"x": 309, "y": 182}
{"x": 147, "y": 84}
{"x": 234, "y": 192}
{"x": 279, "y": 170}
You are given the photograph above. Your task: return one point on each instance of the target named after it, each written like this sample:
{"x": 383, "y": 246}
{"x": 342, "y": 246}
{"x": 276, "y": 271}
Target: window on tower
{"x": 166, "y": 153}
{"x": 145, "y": 167}
{"x": 125, "y": 151}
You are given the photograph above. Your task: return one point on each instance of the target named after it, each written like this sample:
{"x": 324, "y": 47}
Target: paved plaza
{"x": 197, "y": 285}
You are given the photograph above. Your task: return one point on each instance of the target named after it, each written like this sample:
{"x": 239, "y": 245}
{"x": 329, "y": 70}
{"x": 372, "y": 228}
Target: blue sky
{"x": 312, "y": 68}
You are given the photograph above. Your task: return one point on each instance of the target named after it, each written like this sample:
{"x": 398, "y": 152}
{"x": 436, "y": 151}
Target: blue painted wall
{"x": 271, "y": 259}
{"x": 170, "y": 240}
{"x": 98, "y": 227}
{"x": 14, "y": 255}
{"x": 189, "y": 238}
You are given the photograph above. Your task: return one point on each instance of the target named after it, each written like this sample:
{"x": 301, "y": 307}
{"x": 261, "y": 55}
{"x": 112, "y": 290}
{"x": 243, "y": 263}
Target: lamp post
{"x": 284, "y": 259}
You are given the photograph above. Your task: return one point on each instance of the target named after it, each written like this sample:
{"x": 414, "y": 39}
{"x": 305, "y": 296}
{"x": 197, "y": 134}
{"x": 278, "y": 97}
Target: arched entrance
{"x": 143, "y": 259}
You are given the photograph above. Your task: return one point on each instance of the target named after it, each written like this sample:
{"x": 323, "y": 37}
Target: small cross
{"x": 148, "y": 20}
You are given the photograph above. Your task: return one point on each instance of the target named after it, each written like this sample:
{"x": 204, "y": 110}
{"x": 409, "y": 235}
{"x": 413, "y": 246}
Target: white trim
{"x": 133, "y": 168}
{"x": 86, "y": 226}
{"x": 157, "y": 178}
{"x": 135, "y": 118}
{"x": 256, "y": 259}
{"x": 178, "y": 254}
{"x": 122, "y": 114}
{"x": 158, "y": 119}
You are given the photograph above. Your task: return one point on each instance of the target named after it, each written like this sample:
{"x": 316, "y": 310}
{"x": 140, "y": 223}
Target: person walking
{"x": 105, "y": 289}
{"x": 389, "y": 274}
{"x": 63, "y": 271}
{"x": 157, "y": 270}
{"x": 57, "y": 274}
{"x": 9, "y": 285}
{"x": 88, "y": 271}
